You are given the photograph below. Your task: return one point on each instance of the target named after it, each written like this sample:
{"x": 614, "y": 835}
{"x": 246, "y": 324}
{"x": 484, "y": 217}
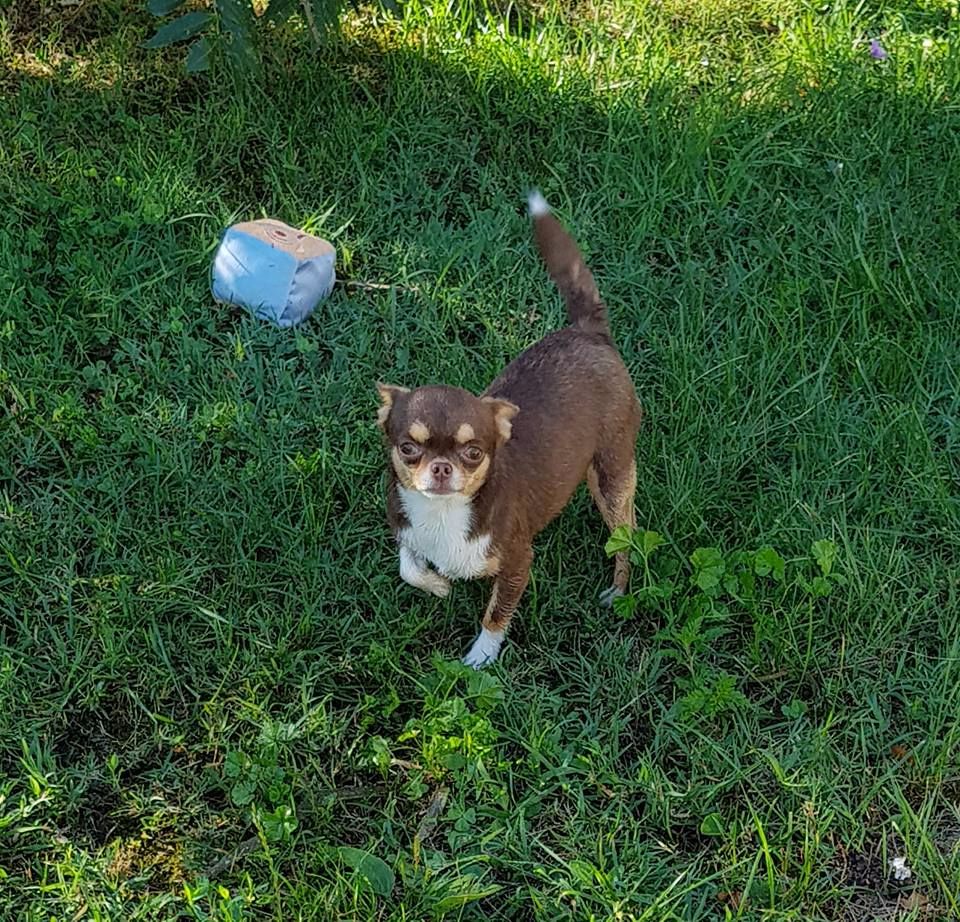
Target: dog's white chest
{"x": 439, "y": 532}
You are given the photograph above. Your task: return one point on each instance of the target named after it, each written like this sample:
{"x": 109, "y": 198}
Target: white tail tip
{"x": 537, "y": 204}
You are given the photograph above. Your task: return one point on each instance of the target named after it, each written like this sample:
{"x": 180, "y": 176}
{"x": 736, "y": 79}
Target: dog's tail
{"x": 570, "y": 274}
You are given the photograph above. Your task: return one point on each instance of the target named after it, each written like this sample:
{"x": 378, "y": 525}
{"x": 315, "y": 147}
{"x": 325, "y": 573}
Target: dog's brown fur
{"x": 562, "y": 412}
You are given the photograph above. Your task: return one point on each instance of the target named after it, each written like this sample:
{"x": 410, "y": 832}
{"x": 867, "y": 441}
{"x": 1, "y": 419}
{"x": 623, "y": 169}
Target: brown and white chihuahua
{"x": 472, "y": 480}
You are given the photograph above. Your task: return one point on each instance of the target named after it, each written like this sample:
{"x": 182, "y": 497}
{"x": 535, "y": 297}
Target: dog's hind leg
{"x": 612, "y": 479}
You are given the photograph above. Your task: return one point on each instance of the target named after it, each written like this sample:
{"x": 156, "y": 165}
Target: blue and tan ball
{"x": 277, "y": 272}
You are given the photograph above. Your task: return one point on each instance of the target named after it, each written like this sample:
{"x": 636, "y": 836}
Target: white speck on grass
{"x": 900, "y": 869}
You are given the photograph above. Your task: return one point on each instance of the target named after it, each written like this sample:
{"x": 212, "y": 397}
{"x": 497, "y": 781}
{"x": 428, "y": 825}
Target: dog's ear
{"x": 503, "y": 413}
{"x": 388, "y": 394}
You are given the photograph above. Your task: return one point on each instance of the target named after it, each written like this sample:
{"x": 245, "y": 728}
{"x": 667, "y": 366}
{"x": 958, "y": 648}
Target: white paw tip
{"x": 608, "y": 595}
{"x": 485, "y": 649}
{"x": 537, "y": 204}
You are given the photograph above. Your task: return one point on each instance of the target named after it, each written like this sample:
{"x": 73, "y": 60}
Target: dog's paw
{"x": 608, "y": 595}
{"x": 436, "y": 585}
{"x": 485, "y": 649}
{"x": 414, "y": 572}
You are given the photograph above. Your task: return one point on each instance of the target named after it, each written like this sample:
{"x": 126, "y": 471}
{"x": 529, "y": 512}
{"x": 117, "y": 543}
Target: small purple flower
{"x": 877, "y": 51}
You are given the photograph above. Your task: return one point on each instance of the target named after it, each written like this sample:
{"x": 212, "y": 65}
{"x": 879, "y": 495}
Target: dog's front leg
{"x": 510, "y": 583}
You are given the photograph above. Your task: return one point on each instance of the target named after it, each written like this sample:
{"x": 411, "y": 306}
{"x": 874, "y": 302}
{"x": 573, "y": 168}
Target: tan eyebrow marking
{"x": 419, "y": 432}
{"x": 465, "y": 433}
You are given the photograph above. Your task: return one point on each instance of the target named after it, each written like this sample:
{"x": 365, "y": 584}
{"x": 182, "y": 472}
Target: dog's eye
{"x": 472, "y": 454}
{"x": 409, "y": 451}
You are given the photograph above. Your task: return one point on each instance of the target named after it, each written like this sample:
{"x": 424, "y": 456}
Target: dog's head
{"x": 443, "y": 440}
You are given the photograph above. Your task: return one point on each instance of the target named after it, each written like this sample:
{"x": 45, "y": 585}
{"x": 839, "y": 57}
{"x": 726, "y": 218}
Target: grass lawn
{"x": 217, "y": 699}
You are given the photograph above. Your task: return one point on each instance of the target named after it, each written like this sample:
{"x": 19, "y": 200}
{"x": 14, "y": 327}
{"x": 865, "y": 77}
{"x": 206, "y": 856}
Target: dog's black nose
{"x": 442, "y": 470}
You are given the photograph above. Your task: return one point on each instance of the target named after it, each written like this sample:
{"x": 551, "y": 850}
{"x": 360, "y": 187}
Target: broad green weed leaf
{"x": 825, "y": 552}
{"x": 619, "y": 540}
{"x": 650, "y": 595}
{"x": 237, "y": 22}
{"x": 479, "y": 682}
{"x": 236, "y": 764}
{"x": 279, "y": 825}
{"x": 708, "y": 568}
{"x": 198, "y": 57}
{"x": 485, "y": 689}
{"x": 821, "y": 586}
{"x": 625, "y": 606}
{"x": 651, "y": 541}
{"x": 278, "y": 792}
{"x": 180, "y": 29}
{"x": 242, "y": 792}
{"x": 767, "y": 562}
{"x": 712, "y": 825}
{"x": 377, "y": 872}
